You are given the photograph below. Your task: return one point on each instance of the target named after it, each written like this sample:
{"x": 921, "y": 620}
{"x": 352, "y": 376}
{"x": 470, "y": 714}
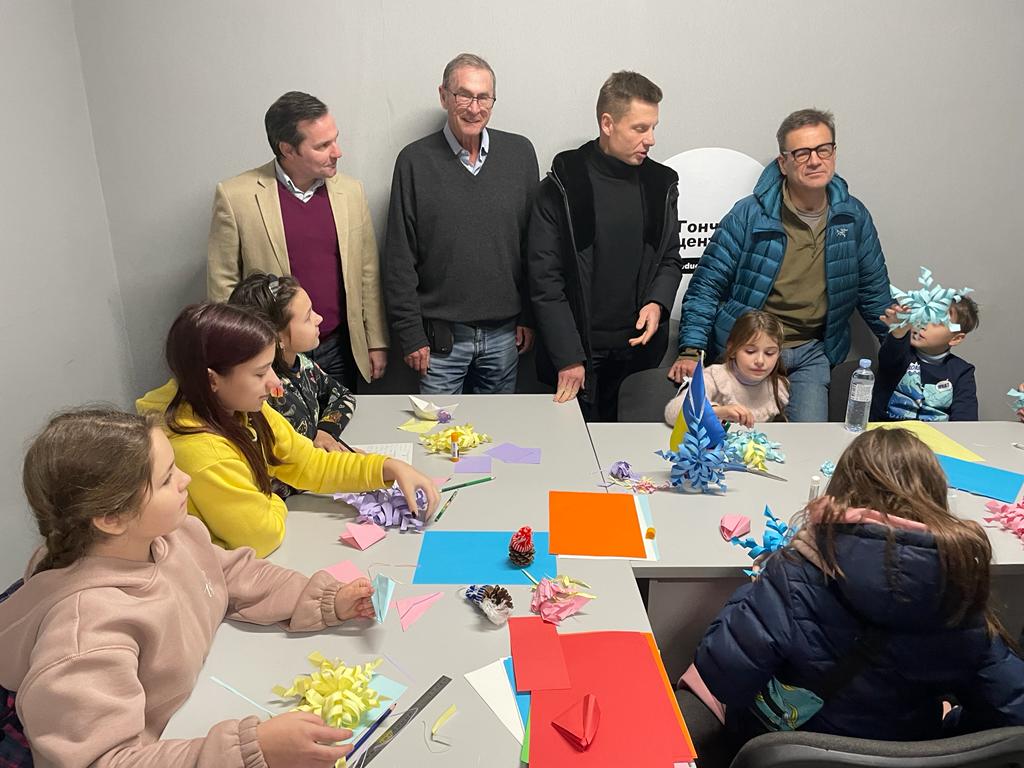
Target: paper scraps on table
{"x": 621, "y": 474}
{"x": 697, "y": 412}
{"x": 400, "y": 451}
{"x": 827, "y": 468}
{"x": 386, "y": 508}
{"x": 599, "y": 525}
{"x": 697, "y": 465}
{"x": 439, "y": 723}
{"x": 558, "y": 598}
{"x": 938, "y": 441}
{"x": 362, "y": 535}
{"x": 468, "y": 557}
{"x": 337, "y": 693}
{"x": 1016, "y": 398}
{"x": 383, "y": 589}
{"x": 579, "y": 723}
{"x": 410, "y": 609}
{"x": 732, "y": 526}
{"x": 464, "y": 436}
{"x": 510, "y": 453}
{"x": 776, "y": 535}
{"x": 492, "y": 685}
{"x": 468, "y": 465}
{"x": 345, "y": 571}
{"x": 928, "y": 304}
{"x": 982, "y": 480}
{"x": 536, "y": 654}
{"x": 419, "y": 426}
{"x": 1009, "y": 516}
{"x": 425, "y": 409}
{"x": 494, "y": 600}
{"x": 753, "y": 448}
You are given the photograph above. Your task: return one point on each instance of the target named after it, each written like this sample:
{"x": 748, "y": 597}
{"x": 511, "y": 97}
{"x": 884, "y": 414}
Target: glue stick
{"x": 815, "y": 490}
{"x": 455, "y": 446}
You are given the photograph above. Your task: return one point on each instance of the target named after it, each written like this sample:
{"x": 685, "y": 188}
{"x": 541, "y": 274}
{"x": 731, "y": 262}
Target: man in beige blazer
{"x": 298, "y": 216}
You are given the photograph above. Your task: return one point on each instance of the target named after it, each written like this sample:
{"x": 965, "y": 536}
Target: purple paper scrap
{"x": 473, "y": 464}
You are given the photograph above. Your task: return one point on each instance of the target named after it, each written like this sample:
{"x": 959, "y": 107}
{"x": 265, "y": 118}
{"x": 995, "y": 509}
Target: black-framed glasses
{"x": 464, "y": 100}
{"x": 803, "y": 154}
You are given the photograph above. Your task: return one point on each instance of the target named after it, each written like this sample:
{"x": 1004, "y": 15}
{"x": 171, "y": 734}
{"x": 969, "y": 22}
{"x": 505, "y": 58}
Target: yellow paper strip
{"x": 931, "y": 437}
{"x": 444, "y": 718}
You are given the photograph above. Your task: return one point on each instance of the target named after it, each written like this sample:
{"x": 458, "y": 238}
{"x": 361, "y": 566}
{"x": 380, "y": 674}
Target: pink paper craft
{"x": 345, "y": 571}
{"x": 556, "y": 600}
{"x": 732, "y": 526}
{"x": 1009, "y": 516}
{"x": 410, "y": 609}
{"x": 362, "y": 535}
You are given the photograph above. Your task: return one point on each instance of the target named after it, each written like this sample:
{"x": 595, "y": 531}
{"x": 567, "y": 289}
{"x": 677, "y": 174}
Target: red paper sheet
{"x": 640, "y": 720}
{"x": 536, "y": 655}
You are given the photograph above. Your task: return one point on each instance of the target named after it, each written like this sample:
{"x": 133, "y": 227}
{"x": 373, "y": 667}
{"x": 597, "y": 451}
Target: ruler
{"x": 389, "y": 735}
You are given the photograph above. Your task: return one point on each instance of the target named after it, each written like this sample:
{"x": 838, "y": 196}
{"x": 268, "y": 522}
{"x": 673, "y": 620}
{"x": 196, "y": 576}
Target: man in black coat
{"x": 604, "y": 260}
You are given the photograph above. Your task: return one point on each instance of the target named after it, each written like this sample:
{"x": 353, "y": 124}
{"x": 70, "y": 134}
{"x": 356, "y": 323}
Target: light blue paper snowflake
{"x": 828, "y": 468}
{"x": 1016, "y": 399}
{"x": 927, "y": 304}
{"x": 776, "y": 535}
{"x": 696, "y": 464}
{"x": 736, "y": 445}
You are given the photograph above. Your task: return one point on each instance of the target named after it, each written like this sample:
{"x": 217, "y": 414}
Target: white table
{"x": 453, "y": 637}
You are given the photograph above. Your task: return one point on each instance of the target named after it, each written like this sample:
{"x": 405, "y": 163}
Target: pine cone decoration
{"x": 520, "y": 549}
{"x": 498, "y": 595}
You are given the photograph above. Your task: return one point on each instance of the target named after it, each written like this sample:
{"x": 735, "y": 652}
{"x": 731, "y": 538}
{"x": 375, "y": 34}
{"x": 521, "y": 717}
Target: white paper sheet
{"x": 402, "y": 451}
{"x": 492, "y": 684}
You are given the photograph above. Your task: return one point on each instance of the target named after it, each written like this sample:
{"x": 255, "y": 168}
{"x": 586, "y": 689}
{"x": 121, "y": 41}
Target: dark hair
{"x": 218, "y": 337}
{"x": 802, "y": 118}
{"x": 269, "y": 296}
{"x": 283, "y": 118}
{"x": 892, "y": 472}
{"x": 744, "y": 330}
{"x": 966, "y": 310}
{"x": 86, "y": 463}
{"x": 619, "y": 91}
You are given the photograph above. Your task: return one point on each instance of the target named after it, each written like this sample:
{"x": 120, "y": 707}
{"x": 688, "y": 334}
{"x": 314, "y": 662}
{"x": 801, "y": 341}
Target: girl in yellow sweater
{"x": 232, "y": 442}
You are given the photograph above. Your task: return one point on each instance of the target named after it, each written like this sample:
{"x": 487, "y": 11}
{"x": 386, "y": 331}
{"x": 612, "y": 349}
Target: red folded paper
{"x": 579, "y": 722}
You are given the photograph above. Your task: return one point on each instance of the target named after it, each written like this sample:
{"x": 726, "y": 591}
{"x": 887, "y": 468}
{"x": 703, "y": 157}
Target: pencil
{"x": 345, "y": 445}
{"x": 369, "y": 731}
{"x": 445, "y": 506}
{"x": 466, "y": 484}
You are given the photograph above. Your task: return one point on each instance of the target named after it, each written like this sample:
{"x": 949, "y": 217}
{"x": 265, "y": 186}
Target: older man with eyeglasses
{"x": 800, "y": 247}
{"x": 454, "y": 256}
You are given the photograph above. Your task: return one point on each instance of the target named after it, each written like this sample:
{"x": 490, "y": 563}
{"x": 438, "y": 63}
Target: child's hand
{"x": 352, "y": 600}
{"x": 301, "y": 738}
{"x": 736, "y": 414}
{"x": 411, "y": 480}
{"x": 891, "y": 319}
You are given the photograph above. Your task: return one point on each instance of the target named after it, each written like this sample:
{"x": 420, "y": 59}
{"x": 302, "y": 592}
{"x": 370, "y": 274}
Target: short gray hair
{"x": 466, "y": 60}
{"x": 802, "y": 118}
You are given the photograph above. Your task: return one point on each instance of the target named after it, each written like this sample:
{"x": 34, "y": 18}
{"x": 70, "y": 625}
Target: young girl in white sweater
{"x": 750, "y": 385}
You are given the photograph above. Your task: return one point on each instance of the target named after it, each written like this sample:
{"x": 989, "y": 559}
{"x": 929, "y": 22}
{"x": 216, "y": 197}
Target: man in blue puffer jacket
{"x": 800, "y": 247}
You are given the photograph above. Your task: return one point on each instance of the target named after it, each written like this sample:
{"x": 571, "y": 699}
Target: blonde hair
{"x": 86, "y": 463}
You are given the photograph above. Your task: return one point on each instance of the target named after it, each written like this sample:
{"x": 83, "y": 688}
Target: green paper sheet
{"x": 524, "y": 754}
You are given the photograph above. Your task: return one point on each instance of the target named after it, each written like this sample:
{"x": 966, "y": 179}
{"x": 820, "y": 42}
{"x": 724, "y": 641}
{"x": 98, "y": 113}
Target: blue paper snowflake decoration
{"x": 1016, "y": 399}
{"x": 696, "y": 464}
{"x": 736, "y": 443}
{"x": 927, "y": 304}
{"x": 828, "y": 468}
{"x": 776, "y": 535}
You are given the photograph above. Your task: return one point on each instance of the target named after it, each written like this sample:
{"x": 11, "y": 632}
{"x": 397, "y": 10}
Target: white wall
{"x": 61, "y": 321}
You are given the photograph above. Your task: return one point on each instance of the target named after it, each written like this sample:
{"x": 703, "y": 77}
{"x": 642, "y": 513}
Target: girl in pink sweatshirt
{"x": 750, "y": 384}
{"x": 104, "y": 641}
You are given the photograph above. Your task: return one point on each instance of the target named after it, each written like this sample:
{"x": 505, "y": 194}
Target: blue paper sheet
{"x": 982, "y": 480}
{"x": 522, "y": 699}
{"x": 477, "y": 557}
{"x": 385, "y": 686}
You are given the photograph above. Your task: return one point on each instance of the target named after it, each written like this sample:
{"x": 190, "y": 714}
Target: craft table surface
{"x": 687, "y": 523}
{"x": 452, "y": 637}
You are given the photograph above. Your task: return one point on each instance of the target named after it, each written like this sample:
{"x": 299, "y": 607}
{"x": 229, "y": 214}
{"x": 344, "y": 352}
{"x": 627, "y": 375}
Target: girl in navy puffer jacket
{"x": 902, "y": 590}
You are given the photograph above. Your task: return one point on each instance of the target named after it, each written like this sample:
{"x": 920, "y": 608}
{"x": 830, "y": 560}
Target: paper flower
{"x": 827, "y": 468}
{"x": 732, "y": 526}
{"x": 386, "y": 507}
{"x": 335, "y": 692}
{"x": 621, "y": 474}
{"x": 776, "y": 535}
{"x": 696, "y": 464}
{"x": 927, "y": 304}
{"x": 1009, "y": 516}
{"x": 559, "y": 598}
{"x": 494, "y": 600}
{"x": 444, "y": 417}
{"x": 737, "y": 446}
{"x": 441, "y": 442}
{"x": 1016, "y": 398}
{"x": 621, "y": 470}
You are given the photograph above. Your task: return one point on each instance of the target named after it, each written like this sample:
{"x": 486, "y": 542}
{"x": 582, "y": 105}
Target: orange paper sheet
{"x": 595, "y": 525}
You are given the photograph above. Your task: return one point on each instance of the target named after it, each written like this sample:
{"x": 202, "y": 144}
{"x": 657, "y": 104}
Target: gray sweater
{"x": 455, "y": 245}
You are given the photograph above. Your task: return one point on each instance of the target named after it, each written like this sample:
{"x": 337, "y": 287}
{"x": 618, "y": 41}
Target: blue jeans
{"x": 334, "y": 355}
{"x": 809, "y": 377}
{"x": 483, "y": 361}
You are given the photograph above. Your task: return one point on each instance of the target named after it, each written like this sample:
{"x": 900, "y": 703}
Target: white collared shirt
{"x": 463, "y": 154}
{"x": 285, "y": 179}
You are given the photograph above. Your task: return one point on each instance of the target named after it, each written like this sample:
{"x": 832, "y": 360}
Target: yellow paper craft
{"x": 337, "y": 693}
{"x": 931, "y": 437}
{"x": 754, "y": 456}
{"x": 444, "y": 718}
{"x": 417, "y": 425}
{"x": 441, "y": 442}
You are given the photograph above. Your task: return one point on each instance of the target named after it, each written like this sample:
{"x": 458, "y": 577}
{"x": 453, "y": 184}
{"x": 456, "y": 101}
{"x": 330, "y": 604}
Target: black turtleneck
{"x": 618, "y": 249}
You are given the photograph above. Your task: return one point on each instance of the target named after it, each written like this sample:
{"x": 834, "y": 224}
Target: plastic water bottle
{"x": 859, "y": 403}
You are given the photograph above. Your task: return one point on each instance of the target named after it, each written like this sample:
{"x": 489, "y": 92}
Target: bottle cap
{"x": 865, "y": 363}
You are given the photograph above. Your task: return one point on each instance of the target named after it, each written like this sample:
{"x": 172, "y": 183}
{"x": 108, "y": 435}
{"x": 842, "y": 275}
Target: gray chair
{"x": 643, "y": 395}
{"x": 996, "y": 748}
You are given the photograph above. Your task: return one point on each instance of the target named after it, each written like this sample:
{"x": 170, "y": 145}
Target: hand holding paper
{"x": 352, "y": 600}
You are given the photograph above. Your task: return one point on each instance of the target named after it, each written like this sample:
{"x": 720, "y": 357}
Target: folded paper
{"x": 697, "y": 464}
{"x": 827, "y": 468}
{"x": 731, "y": 526}
{"x": 386, "y": 507}
{"x": 510, "y": 453}
{"x": 776, "y": 535}
{"x": 1009, "y": 516}
{"x": 928, "y": 304}
{"x": 465, "y": 436}
{"x": 558, "y": 598}
{"x": 444, "y": 718}
{"x": 425, "y": 409}
{"x": 419, "y": 426}
{"x": 383, "y": 589}
{"x": 337, "y": 693}
{"x": 621, "y": 474}
{"x": 362, "y": 535}
{"x": 1016, "y": 398}
{"x": 410, "y": 609}
{"x": 697, "y": 412}
{"x": 579, "y": 723}
{"x": 345, "y": 571}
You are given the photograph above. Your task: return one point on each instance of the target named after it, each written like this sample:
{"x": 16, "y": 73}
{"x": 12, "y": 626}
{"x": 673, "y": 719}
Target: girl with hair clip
{"x": 315, "y": 403}
{"x": 873, "y": 616}
{"x": 121, "y": 604}
{"x": 233, "y": 443}
{"x": 750, "y": 384}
